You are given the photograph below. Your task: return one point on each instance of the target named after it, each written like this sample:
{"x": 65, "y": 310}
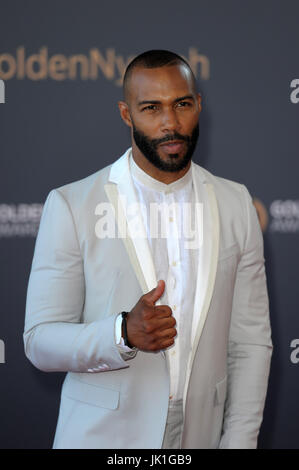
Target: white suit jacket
{"x": 78, "y": 285}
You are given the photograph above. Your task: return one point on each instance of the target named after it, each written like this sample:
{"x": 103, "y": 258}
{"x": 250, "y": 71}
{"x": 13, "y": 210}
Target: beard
{"x": 149, "y": 148}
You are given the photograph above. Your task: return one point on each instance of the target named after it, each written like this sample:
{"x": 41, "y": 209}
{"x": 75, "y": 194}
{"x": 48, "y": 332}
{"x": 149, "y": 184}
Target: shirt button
{"x": 172, "y": 353}
{"x": 174, "y": 263}
{"x": 170, "y": 397}
{"x": 171, "y": 219}
{"x": 174, "y": 307}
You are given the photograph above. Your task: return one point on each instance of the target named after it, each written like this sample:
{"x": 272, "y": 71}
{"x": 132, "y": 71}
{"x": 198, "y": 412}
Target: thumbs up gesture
{"x": 149, "y": 327}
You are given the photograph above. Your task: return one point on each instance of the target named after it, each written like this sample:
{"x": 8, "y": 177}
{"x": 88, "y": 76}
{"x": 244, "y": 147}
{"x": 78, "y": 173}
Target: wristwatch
{"x": 124, "y": 328}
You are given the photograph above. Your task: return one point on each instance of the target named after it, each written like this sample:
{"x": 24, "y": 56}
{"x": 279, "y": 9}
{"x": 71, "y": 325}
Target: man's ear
{"x": 125, "y": 113}
{"x": 199, "y": 101}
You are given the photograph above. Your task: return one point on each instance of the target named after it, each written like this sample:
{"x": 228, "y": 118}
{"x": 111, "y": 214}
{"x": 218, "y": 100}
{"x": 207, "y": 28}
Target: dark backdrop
{"x": 62, "y": 62}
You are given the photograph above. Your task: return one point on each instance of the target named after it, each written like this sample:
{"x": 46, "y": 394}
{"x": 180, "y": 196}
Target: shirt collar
{"x": 152, "y": 183}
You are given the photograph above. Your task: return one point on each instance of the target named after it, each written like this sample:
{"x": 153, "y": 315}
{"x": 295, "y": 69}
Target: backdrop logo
{"x": 295, "y": 353}
{"x": 2, "y": 92}
{"x": 262, "y": 213}
{"x": 2, "y": 352}
{"x": 285, "y": 216}
{"x": 41, "y": 65}
{"x": 19, "y": 220}
{"x": 294, "y": 96}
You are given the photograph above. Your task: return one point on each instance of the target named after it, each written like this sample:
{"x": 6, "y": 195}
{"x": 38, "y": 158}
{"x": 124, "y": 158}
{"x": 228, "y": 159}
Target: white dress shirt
{"x": 174, "y": 261}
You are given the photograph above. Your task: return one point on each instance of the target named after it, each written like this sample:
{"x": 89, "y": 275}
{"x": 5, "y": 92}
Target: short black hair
{"x": 153, "y": 59}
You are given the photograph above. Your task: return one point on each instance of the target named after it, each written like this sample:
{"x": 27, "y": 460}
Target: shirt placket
{"x": 173, "y": 285}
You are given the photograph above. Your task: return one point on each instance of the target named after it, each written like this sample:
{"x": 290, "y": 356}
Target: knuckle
{"x": 171, "y": 333}
{"x": 171, "y": 322}
{"x": 148, "y": 328}
{"x": 166, "y": 310}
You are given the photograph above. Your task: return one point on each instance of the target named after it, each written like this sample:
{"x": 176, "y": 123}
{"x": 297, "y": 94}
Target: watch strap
{"x": 125, "y": 331}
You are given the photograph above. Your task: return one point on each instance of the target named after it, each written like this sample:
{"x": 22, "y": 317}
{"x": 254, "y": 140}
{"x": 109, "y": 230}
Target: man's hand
{"x": 151, "y": 328}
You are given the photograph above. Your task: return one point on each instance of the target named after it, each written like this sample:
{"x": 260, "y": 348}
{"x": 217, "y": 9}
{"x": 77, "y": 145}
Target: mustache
{"x": 170, "y": 137}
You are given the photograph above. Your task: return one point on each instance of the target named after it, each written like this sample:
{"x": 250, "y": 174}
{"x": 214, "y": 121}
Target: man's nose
{"x": 169, "y": 121}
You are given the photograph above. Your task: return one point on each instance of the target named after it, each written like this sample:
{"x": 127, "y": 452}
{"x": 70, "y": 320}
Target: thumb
{"x": 155, "y": 294}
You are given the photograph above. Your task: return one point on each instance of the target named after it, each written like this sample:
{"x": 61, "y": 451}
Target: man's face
{"x": 163, "y": 111}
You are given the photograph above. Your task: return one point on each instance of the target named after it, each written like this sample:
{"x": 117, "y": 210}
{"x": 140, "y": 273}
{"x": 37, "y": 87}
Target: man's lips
{"x": 173, "y": 146}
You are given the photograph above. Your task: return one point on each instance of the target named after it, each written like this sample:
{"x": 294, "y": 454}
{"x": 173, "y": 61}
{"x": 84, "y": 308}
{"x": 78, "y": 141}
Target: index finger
{"x": 162, "y": 311}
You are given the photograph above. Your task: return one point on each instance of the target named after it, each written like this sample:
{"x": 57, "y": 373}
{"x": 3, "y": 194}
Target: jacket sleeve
{"x": 250, "y": 345}
{"x": 55, "y": 338}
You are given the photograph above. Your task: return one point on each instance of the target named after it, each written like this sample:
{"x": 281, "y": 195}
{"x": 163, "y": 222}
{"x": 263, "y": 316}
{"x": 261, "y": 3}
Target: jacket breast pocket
{"x": 92, "y": 394}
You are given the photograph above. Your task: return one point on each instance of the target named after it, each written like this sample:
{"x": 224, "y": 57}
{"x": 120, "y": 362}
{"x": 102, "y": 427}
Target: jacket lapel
{"x": 208, "y": 252}
{"x": 207, "y": 259}
{"x": 121, "y": 193}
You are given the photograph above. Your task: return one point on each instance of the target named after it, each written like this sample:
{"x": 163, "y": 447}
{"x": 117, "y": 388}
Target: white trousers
{"x": 174, "y": 426}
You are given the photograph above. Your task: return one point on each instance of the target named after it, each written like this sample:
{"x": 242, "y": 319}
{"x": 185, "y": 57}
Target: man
{"x": 187, "y": 365}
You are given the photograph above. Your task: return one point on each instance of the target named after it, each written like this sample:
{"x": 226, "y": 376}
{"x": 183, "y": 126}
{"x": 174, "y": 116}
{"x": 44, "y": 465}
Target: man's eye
{"x": 151, "y": 107}
{"x": 183, "y": 104}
